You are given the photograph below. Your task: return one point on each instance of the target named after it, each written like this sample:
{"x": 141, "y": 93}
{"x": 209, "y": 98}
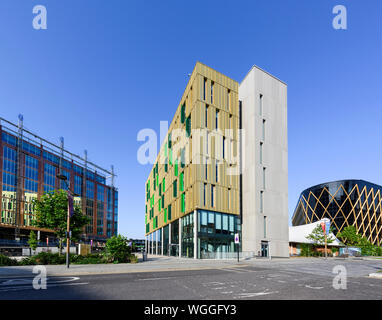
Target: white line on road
{"x": 18, "y": 288}
{"x": 146, "y": 279}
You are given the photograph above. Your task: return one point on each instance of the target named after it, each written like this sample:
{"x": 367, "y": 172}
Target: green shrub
{"x": 378, "y": 251}
{"x": 6, "y": 261}
{"x": 27, "y": 262}
{"x": 45, "y": 258}
{"x": 94, "y": 258}
{"x": 118, "y": 250}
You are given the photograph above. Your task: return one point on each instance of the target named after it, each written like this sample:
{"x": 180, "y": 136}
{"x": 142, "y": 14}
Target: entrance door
{"x": 264, "y": 249}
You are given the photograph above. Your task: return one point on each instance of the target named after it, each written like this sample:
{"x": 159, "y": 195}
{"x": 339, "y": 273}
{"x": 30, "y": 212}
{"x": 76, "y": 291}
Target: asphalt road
{"x": 304, "y": 279}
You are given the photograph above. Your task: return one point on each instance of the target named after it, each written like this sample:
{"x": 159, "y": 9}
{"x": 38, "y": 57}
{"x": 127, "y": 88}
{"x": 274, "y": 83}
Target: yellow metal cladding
{"x": 206, "y": 87}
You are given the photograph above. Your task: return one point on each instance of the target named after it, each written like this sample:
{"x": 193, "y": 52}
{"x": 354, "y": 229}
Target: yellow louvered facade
{"x": 226, "y": 196}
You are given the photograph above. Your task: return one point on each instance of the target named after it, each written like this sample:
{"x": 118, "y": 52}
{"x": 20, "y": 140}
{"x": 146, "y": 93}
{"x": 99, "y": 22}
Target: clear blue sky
{"x": 103, "y": 70}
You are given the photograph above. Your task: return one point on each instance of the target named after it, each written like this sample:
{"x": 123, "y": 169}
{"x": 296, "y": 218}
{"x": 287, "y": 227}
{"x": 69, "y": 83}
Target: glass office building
{"x": 29, "y": 168}
{"x": 345, "y": 202}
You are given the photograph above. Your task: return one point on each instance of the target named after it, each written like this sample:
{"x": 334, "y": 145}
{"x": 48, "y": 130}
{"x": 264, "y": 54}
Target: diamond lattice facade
{"x": 345, "y": 203}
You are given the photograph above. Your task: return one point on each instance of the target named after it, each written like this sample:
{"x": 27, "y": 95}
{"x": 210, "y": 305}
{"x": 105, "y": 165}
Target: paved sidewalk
{"x": 153, "y": 264}
{"x": 355, "y": 268}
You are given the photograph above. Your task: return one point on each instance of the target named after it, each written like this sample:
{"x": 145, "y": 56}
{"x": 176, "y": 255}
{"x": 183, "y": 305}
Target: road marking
{"x": 238, "y": 270}
{"x": 24, "y": 281}
{"x": 317, "y": 288}
{"x": 255, "y": 294}
{"x": 20, "y": 288}
{"x": 146, "y": 279}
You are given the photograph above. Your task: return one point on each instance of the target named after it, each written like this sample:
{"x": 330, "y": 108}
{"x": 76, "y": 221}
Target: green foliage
{"x": 318, "y": 236}
{"x": 45, "y": 258}
{"x": 6, "y": 261}
{"x": 306, "y": 250}
{"x": 93, "y": 258}
{"x": 349, "y": 236}
{"x": 52, "y": 213}
{"x": 334, "y": 249}
{"x": 48, "y": 258}
{"x": 32, "y": 240}
{"x": 117, "y": 249}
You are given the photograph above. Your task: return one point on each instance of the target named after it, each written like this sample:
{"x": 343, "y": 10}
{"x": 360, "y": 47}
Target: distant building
{"x": 298, "y": 237}
{"x": 29, "y": 167}
{"x": 345, "y": 203}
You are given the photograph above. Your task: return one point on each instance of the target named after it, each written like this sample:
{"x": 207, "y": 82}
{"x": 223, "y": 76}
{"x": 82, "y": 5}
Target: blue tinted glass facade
{"x": 9, "y": 139}
{"x": 64, "y": 184}
{"x": 115, "y": 212}
{"x": 51, "y": 157}
{"x": 30, "y": 148}
{"x": 40, "y": 163}
{"x": 49, "y": 177}
{"x": 78, "y": 185}
{"x": 31, "y": 174}
{"x": 9, "y": 169}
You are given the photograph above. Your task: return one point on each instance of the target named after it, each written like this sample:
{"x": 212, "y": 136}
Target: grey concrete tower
{"x": 264, "y": 164}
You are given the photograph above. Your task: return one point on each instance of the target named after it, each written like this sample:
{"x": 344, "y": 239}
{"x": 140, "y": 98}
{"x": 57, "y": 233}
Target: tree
{"x": 52, "y": 211}
{"x": 349, "y": 236}
{"x": 118, "y": 249}
{"x": 32, "y": 241}
{"x": 318, "y": 236}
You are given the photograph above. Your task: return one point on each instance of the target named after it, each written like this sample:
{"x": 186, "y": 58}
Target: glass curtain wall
{"x": 165, "y": 240}
{"x": 216, "y": 233}
{"x": 174, "y": 249}
{"x": 188, "y": 236}
{"x": 159, "y": 240}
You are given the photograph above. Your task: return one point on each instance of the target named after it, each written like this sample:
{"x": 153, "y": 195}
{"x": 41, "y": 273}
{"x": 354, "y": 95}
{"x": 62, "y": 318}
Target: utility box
{"x": 84, "y": 249}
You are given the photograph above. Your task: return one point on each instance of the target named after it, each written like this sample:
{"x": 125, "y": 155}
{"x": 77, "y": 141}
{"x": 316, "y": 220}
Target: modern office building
{"x": 29, "y": 167}
{"x": 195, "y": 200}
{"x": 345, "y": 202}
{"x": 265, "y": 164}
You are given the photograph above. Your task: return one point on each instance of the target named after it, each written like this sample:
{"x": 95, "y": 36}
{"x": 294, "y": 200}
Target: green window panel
{"x": 183, "y": 203}
{"x": 188, "y": 126}
{"x": 156, "y": 168}
{"x": 160, "y": 204}
{"x": 169, "y": 212}
{"x": 162, "y": 201}
{"x": 163, "y": 185}
{"x": 148, "y": 228}
{"x": 169, "y": 140}
{"x": 146, "y": 219}
{"x": 160, "y": 189}
{"x": 176, "y": 168}
{"x": 182, "y": 157}
{"x": 183, "y": 113}
{"x": 181, "y": 182}
{"x": 165, "y": 216}
{"x": 170, "y": 156}
{"x": 155, "y": 223}
{"x": 146, "y": 210}
{"x": 174, "y": 188}
{"x": 157, "y": 180}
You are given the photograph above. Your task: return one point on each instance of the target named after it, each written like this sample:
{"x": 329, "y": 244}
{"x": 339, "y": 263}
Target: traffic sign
{"x": 237, "y": 240}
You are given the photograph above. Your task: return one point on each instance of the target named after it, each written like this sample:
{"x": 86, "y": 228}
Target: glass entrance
{"x": 264, "y": 249}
